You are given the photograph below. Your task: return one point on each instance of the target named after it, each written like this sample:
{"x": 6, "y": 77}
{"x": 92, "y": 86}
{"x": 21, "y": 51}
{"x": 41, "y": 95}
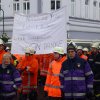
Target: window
{"x": 0, "y": 11}
{"x": 87, "y": 9}
{"x": 73, "y": 7}
{"x": 58, "y": 4}
{"x": 26, "y": 6}
{"x": 16, "y": 6}
{"x": 55, "y": 4}
{"x": 86, "y": 2}
{"x": 0, "y": 4}
{"x": 72, "y": 0}
{"x": 99, "y": 10}
{"x": 94, "y": 3}
{"x": 95, "y": 10}
{"x": 99, "y": 4}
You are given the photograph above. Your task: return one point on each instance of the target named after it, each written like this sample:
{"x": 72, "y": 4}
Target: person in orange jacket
{"x": 86, "y": 51}
{"x": 29, "y": 72}
{"x": 2, "y": 51}
{"x": 35, "y": 62}
{"x": 80, "y": 53}
{"x": 52, "y": 85}
{"x": 14, "y": 60}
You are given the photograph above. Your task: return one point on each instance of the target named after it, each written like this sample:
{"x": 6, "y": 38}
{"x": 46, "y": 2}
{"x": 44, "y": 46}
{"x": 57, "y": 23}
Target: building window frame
{"x": 87, "y": 8}
{"x": 95, "y": 9}
{"x": 55, "y": 4}
{"x": 72, "y": 0}
{"x": 94, "y": 3}
{"x": 73, "y": 8}
{"x": 26, "y": 6}
{"x": 0, "y": 4}
{"x": 0, "y": 8}
{"x": 16, "y": 5}
{"x": 99, "y": 10}
{"x": 86, "y": 2}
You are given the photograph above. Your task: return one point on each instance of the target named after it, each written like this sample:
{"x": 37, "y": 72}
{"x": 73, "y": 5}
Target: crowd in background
{"x": 60, "y": 76}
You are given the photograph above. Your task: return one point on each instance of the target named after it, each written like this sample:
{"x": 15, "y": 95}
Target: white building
{"x": 82, "y": 16}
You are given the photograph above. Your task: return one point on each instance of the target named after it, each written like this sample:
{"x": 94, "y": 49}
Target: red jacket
{"x": 2, "y": 52}
{"x": 29, "y": 78}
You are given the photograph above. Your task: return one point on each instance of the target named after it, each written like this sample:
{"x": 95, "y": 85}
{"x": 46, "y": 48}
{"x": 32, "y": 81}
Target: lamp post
{"x": 4, "y": 36}
{"x": 3, "y": 19}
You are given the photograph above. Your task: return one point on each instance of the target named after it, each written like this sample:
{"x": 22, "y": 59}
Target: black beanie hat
{"x": 71, "y": 47}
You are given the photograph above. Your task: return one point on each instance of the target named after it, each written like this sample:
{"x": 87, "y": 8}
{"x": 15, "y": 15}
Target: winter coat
{"x": 52, "y": 85}
{"x": 10, "y": 80}
{"x": 29, "y": 77}
{"x": 76, "y": 78}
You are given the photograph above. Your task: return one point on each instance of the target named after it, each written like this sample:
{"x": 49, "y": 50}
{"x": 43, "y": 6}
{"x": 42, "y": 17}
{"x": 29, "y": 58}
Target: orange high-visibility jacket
{"x": 19, "y": 57}
{"x": 38, "y": 57}
{"x": 84, "y": 57}
{"x": 2, "y": 52}
{"x": 29, "y": 78}
{"x": 52, "y": 85}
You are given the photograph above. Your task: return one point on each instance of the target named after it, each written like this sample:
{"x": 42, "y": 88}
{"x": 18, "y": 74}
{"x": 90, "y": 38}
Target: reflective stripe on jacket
{"x": 76, "y": 78}
{"x": 52, "y": 85}
{"x": 10, "y": 80}
{"x": 29, "y": 78}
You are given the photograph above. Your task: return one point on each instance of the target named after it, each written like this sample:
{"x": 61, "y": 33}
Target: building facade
{"x": 82, "y": 16}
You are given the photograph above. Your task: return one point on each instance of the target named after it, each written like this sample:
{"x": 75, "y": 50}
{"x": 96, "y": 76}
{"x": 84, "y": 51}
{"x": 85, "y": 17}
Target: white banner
{"x": 42, "y": 32}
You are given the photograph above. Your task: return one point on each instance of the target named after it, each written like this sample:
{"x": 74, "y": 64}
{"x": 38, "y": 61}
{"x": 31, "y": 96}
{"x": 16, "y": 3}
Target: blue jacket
{"x": 10, "y": 80}
{"x": 76, "y": 78}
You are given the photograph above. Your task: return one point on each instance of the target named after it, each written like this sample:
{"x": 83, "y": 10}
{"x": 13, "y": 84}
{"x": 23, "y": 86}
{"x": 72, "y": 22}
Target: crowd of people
{"x": 74, "y": 75}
